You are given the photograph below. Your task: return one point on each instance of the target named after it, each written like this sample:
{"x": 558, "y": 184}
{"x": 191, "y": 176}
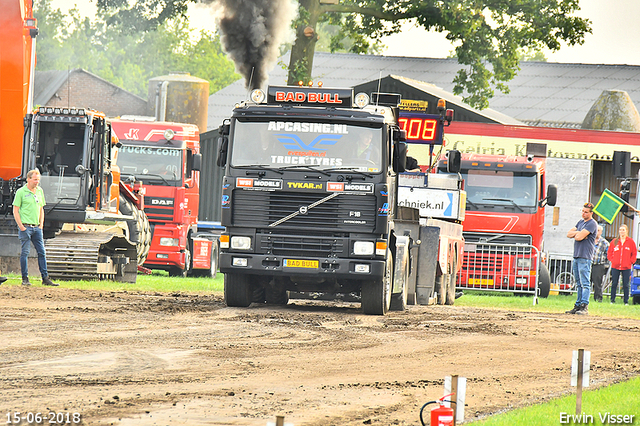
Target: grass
{"x": 554, "y": 303}
{"x": 158, "y": 281}
{"x": 617, "y": 399}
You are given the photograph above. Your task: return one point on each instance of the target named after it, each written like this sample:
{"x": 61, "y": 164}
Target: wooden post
{"x": 454, "y": 397}
{"x": 279, "y": 420}
{"x": 579, "y": 384}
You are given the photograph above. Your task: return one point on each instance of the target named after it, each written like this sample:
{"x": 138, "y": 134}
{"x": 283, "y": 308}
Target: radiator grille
{"x": 345, "y": 212}
{"x": 303, "y": 246}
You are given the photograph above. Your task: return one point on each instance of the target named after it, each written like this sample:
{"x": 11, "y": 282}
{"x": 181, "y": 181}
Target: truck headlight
{"x": 523, "y": 262}
{"x": 166, "y": 241}
{"x": 241, "y": 243}
{"x": 363, "y": 248}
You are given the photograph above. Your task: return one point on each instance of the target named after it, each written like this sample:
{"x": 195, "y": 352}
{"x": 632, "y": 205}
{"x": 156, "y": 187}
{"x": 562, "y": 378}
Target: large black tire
{"x": 636, "y": 300}
{"x": 139, "y": 229}
{"x": 238, "y": 291}
{"x": 375, "y": 295}
{"x": 441, "y": 288}
{"x": 544, "y": 281}
{"x": 399, "y": 301}
{"x": 451, "y": 285}
{"x": 276, "y": 296}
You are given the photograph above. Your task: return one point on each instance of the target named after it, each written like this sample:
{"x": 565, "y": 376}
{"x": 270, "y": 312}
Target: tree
{"x": 489, "y": 34}
{"x": 125, "y": 58}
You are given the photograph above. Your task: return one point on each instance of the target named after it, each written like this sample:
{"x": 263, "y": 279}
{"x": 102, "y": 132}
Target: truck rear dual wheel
{"x": 276, "y": 296}
{"x": 375, "y": 295}
{"x": 451, "y": 285}
{"x": 238, "y": 291}
{"x": 441, "y": 288}
{"x": 399, "y": 301}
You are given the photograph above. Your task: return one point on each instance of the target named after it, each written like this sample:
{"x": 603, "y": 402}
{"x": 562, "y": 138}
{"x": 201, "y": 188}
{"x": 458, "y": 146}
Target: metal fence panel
{"x": 500, "y": 267}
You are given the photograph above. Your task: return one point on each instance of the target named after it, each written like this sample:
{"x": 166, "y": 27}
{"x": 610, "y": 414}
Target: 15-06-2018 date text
{"x": 43, "y": 418}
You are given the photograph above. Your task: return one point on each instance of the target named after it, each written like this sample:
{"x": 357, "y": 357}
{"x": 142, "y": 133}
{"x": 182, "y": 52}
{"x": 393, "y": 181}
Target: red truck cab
{"x": 504, "y": 222}
{"x": 166, "y": 158}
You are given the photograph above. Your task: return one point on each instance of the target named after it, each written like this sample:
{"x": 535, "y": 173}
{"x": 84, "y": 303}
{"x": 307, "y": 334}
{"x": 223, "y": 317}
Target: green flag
{"x": 608, "y": 206}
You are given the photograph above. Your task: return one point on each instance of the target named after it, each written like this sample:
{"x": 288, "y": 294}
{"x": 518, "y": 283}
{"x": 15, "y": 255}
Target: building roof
{"x": 543, "y": 93}
{"x": 47, "y": 83}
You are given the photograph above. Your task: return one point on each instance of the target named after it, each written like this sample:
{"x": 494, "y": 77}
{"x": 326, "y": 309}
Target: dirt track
{"x": 155, "y": 359}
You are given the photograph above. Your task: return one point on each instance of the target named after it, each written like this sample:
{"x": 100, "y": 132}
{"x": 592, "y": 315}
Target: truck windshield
{"x": 280, "y": 144}
{"x": 489, "y": 188}
{"x": 154, "y": 165}
{"x": 60, "y": 152}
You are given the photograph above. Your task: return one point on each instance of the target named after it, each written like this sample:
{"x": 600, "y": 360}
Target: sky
{"x": 614, "y": 39}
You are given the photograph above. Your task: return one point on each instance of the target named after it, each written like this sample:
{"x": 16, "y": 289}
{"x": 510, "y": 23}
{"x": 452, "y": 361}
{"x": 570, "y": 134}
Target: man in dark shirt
{"x": 584, "y": 234}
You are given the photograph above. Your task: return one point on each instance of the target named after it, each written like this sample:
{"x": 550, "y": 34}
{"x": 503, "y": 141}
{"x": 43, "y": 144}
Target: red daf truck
{"x": 504, "y": 221}
{"x": 166, "y": 158}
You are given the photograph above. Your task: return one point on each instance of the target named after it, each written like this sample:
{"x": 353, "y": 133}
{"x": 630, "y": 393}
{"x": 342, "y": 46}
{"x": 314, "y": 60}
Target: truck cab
{"x": 166, "y": 158}
{"x": 307, "y": 196}
{"x": 504, "y": 222}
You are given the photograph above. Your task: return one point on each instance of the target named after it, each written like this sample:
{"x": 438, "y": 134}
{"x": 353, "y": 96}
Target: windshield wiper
{"x": 258, "y": 166}
{"x": 472, "y": 203}
{"x": 348, "y": 169}
{"x": 507, "y": 200}
{"x": 141, "y": 175}
{"x": 305, "y": 167}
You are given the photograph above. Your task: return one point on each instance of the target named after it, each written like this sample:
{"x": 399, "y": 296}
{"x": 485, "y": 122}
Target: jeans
{"x": 582, "y": 274}
{"x": 597, "y": 274}
{"x": 33, "y": 235}
{"x": 615, "y": 275}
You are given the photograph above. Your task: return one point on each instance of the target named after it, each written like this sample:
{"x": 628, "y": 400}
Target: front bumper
{"x": 270, "y": 265}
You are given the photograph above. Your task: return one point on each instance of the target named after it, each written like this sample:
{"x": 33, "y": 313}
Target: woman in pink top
{"x": 622, "y": 255}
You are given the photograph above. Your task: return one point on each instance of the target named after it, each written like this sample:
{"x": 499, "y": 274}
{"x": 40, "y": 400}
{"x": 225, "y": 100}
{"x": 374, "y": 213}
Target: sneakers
{"x": 47, "y": 281}
{"x": 584, "y": 309}
{"x": 2, "y": 279}
{"x": 575, "y": 309}
{"x": 25, "y": 282}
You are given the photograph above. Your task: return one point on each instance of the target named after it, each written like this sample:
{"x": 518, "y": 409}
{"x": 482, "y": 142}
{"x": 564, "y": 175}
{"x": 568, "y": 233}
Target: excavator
{"x": 95, "y": 226}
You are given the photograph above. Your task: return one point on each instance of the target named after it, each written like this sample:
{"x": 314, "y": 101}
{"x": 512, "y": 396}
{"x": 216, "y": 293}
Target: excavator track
{"x": 75, "y": 255}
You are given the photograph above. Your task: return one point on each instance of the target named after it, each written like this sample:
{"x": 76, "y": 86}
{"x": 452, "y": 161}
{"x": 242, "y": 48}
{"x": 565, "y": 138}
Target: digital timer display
{"x": 421, "y": 127}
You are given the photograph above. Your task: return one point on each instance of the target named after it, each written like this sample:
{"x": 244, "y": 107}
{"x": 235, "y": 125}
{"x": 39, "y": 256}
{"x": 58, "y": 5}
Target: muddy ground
{"x": 131, "y": 358}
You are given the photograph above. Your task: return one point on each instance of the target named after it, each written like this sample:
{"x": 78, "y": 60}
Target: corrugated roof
{"x": 543, "y": 91}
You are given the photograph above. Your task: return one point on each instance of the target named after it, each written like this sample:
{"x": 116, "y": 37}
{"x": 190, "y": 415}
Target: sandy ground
{"x": 130, "y": 358}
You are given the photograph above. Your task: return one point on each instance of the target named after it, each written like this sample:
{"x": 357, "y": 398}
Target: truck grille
{"x": 159, "y": 209}
{"x": 301, "y": 246}
{"x": 345, "y": 212}
{"x": 476, "y": 237}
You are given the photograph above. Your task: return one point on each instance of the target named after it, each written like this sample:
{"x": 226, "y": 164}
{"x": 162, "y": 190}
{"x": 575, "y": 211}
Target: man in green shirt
{"x": 28, "y": 211}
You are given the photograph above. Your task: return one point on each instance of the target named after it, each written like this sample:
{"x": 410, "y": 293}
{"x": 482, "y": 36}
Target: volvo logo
{"x": 303, "y": 210}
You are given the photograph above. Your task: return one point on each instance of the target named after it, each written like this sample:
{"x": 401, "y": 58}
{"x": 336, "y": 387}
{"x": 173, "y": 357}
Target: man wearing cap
{"x": 584, "y": 234}
{"x": 28, "y": 212}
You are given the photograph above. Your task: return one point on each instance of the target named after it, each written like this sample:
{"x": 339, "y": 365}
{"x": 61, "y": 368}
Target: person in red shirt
{"x": 622, "y": 255}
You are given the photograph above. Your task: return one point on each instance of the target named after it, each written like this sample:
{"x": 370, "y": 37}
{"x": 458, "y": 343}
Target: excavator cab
{"x": 72, "y": 149}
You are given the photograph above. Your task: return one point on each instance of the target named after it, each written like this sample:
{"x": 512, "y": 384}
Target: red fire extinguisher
{"x": 440, "y": 416}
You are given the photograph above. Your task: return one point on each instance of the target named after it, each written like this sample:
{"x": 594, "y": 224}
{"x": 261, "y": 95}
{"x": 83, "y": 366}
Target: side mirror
{"x": 223, "y": 146}
{"x": 197, "y": 162}
{"x": 453, "y": 161}
{"x": 399, "y": 157}
{"x": 399, "y": 135}
{"x": 552, "y": 196}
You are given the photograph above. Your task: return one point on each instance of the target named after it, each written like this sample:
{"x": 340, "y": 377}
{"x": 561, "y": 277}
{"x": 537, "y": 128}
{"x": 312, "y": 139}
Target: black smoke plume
{"x": 252, "y": 31}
